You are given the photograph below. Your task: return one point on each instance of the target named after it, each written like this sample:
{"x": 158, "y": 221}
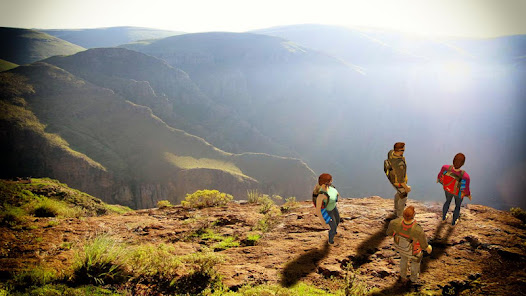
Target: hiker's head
{"x": 399, "y": 148}
{"x": 324, "y": 179}
{"x": 409, "y": 213}
{"x": 459, "y": 160}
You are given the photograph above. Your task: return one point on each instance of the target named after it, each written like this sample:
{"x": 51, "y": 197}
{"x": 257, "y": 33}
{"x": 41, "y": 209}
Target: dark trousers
{"x": 456, "y": 212}
{"x": 335, "y": 220}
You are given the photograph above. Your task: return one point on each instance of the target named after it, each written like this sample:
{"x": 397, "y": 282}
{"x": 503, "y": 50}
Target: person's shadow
{"x": 439, "y": 246}
{"x": 370, "y": 246}
{"x": 303, "y": 266}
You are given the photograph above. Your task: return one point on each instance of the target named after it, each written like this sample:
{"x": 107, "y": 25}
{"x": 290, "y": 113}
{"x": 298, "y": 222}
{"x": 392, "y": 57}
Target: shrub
{"x": 100, "y": 263}
{"x": 253, "y": 196}
{"x": 162, "y": 204}
{"x": 269, "y": 221}
{"x": 267, "y": 202}
{"x": 155, "y": 262}
{"x": 290, "y": 203}
{"x": 202, "y": 275}
{"x": 519, "y": 214}
{"x": 206, "y": 198}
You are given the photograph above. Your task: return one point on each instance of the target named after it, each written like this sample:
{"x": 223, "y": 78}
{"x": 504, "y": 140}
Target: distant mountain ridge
{"x": 119, "y": 151}
{"x": 27, "y": 46}
{"x": 109, "y": 37}
{"x": 246, "y": 92}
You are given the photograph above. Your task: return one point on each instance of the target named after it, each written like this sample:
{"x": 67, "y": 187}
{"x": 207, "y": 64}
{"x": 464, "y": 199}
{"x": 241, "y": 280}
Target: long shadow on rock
{"x": 439, "y": 245}
{"x": 370, "y": 246}
{"x": 303, "y": 266}
{"x": 396, "y": 289}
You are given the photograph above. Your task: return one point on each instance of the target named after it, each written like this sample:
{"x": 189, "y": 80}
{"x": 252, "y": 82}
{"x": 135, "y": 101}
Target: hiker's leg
{"x": 415, "y": 267}
{"x": 449, "y": 196}
{"x": 456, "y": 213}
{"x": 332, "y": 224}
{"x": 403, "y": 266}
{"x": 337, "y": 216}
{"x": 400, "y": 201}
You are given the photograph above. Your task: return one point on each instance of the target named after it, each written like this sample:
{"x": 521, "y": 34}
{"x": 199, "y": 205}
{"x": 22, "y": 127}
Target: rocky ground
{"x": 483, "y": 255}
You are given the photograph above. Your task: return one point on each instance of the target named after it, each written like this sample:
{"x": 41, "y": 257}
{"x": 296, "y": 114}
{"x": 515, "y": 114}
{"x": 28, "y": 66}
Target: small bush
{"x": 100, "y": 263}
{"x": 290, "y": 203}
{"x": 269, "y": 221}
{"x": 163, "y": 204}
{"x": 267, "y": 202}
{"x": 153, "y": 262}
{"x": 202, "y": 275}
{"x": 206, "y": 198}
{"x": 253, "y": 196}
{"x": 519, "y": 214}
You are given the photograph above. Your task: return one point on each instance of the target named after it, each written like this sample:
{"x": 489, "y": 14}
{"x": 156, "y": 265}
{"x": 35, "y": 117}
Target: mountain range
{"x": 109, "y": 37}
{"x": 336, "y": 98}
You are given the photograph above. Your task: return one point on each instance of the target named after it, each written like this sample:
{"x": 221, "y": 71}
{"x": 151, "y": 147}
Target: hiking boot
{"x": 403, "y": 281}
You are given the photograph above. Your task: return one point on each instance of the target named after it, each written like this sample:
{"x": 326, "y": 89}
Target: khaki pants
{"x": 415, "y": 266}
{"x": 400, "y": 199}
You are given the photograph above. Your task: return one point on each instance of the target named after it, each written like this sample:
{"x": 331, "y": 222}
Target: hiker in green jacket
{"x": 396, "y": 170}
{"x": 325, "y": 197}
{"x": 410, "y": 241}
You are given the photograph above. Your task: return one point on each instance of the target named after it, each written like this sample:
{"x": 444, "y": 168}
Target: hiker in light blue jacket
{"x": 325, "y": 197}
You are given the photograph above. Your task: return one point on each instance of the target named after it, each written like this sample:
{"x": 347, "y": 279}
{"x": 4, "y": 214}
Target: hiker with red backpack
{"x": 456, "y": 184}
{"x": 410, "y": 241}
{"x": 324, "y": 197}
{"x": 395, "y": 169}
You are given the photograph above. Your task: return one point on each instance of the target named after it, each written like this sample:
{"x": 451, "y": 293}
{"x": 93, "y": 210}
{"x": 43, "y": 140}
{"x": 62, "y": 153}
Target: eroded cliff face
{"x": 95, "y": 140}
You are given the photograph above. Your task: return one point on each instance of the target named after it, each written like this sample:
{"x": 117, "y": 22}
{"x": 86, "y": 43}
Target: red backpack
{"x": 451, "y": 181}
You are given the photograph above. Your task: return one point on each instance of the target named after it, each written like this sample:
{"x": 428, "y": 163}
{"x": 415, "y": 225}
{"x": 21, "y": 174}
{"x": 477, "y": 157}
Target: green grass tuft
{"x": 101, "y": 262}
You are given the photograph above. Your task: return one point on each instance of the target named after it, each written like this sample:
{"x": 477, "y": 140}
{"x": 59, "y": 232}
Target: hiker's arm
{"x": 467, "y": 192}
{"x": 441, "y": 172}
{"x": 421, "y": 237}
{"x": 429, "y": 249}
{"x": 319, "y": 203}
{"x": 406, "y": 187}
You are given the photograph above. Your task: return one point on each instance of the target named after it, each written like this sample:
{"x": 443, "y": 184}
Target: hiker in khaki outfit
{"x": 396, "y": 170}
{"x": 409, "y": 240}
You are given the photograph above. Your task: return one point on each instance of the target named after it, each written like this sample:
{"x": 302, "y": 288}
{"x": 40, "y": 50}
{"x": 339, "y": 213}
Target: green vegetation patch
{"x": 5, "y": 65}
{"x": 519, "y": 214}
{"x": 206, "y": 198}
{"x": 48, "y": 198}
{"x": 163, "y": 204}
{"x": 188, "y": 162}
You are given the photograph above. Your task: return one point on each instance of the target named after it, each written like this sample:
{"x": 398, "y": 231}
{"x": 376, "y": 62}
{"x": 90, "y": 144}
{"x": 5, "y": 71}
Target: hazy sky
{"x": 473, "y": 18}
